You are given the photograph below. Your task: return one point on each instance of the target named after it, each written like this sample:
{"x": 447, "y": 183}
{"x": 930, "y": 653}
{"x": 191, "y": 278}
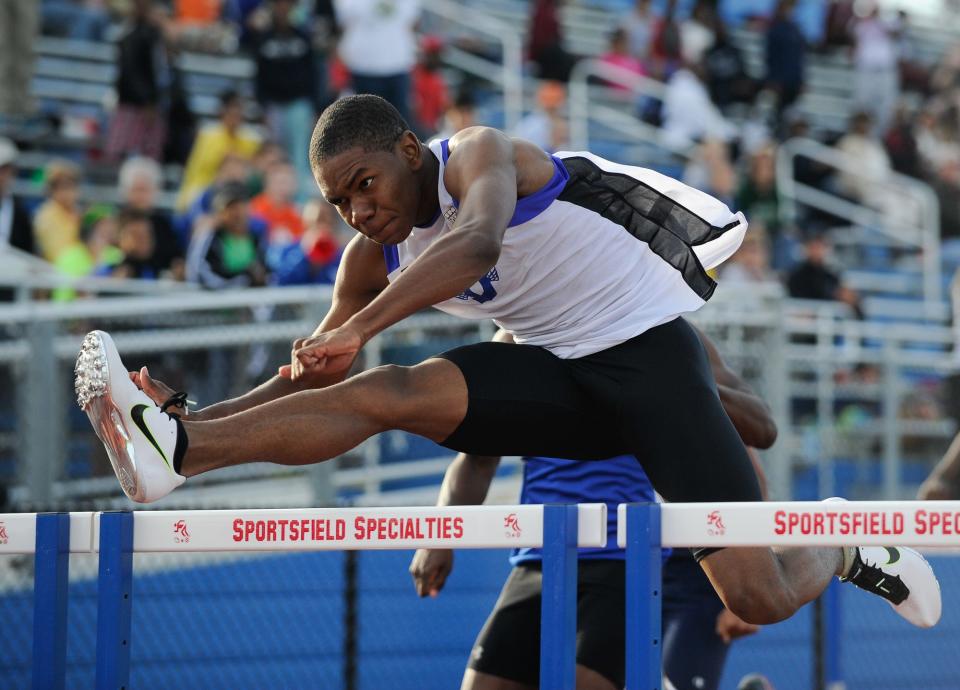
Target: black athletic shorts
{"x": 694, "y": 656}
{"x": 508, "y": 646}
{"x": 652, "y": 396}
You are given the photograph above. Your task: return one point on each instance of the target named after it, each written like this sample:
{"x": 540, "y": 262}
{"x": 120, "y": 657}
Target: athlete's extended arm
{"x": 483, "y": 172}
{"x": 467, "y": 480}
{"x": 361, "y": 277}
{"x": 747, "y": 410}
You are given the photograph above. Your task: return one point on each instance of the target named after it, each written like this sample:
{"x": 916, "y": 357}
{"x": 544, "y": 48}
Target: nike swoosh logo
{"x": 894, "y": 555}
{"x": 137, "y": 413}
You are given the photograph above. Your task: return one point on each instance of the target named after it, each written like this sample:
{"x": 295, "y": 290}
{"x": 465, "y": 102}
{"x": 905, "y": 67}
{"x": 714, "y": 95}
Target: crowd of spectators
{"x": 905, "y": 118}
{"x": 245, "y": 209}
{"x": 229, "y": 201}
{"x": 238, "y": 226}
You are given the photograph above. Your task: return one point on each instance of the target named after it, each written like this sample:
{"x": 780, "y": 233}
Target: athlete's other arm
{"x": 747, "y": 410}
{"x": 486, "y": 171}
{"x": 465, "y": 483}
{"x": 754, "y": 422}
{"x": 360, "y": 278}
{"x": 943, "y": 483}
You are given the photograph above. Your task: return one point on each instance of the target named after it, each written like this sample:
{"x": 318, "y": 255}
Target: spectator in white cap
{"x": 15, "y": 228}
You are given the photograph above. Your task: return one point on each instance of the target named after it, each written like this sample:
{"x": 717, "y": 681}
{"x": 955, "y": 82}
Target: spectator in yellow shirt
{"x": 56, "y": 225}
{"x": 214, "y": 143}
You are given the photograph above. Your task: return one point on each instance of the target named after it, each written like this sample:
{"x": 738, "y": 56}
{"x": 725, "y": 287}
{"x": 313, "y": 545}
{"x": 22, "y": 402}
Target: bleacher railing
{"x": 509, "y": 74}
{"x": 903, "y": 209}
{"x": 584, "y": 106}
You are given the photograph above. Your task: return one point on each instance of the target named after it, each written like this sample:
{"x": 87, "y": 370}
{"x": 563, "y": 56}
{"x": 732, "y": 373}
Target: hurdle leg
{"x": 833, "y": 637}
{"x": 644, "y": 586}
{"x": 558, "y": 618}
{"x": 114, "y": 601}
{"x": 50, "y": 590}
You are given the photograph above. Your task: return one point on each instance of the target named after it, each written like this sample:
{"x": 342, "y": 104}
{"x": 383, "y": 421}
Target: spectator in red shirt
{"x": 665, "y": 51}
{"x": 430, "y": 96}
{"x": 545, "y": 42}
{"x": 320, "y": 241}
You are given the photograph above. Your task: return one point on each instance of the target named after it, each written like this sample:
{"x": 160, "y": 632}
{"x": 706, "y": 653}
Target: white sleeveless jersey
{"x": 599, "y": 255}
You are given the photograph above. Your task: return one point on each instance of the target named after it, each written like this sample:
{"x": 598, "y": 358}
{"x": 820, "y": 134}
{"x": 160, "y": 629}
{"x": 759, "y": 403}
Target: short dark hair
{"x": 465, "y": 98}
{"x": 363, "y": 120}
{"x": 229, "y": 97}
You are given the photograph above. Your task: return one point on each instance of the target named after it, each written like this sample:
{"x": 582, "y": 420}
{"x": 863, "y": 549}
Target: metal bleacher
{"x": 74, "y": 84}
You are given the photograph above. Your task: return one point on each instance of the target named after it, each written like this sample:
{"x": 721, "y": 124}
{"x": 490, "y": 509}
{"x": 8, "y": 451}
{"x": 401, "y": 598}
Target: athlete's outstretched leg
{"x": 429, "y": 399}
{"x": 152, "y": 452}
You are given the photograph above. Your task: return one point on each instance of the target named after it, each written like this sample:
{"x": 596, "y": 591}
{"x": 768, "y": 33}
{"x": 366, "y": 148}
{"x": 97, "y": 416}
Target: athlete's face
{"x": 376, "y": 192}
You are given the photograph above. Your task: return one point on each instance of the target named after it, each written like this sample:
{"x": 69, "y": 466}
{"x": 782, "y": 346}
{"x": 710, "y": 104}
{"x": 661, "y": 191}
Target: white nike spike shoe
{"x": 139, "y": 438}
{"x": 902, "y": 577}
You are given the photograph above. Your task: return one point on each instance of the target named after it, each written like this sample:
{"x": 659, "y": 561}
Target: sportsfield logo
{"x": 512, "y": 526}
{"x": 180, "y": 533}
{"x": 3, "y": 534}
{"x": 715, "y": 526}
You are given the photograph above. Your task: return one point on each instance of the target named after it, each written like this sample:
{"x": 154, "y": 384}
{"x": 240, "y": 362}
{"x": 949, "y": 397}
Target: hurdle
{"x": 558, "y": 529}
{"x": 644, "y": 529}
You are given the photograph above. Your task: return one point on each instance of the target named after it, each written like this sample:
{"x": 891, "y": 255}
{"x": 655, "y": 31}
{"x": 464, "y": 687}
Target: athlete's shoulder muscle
{"x": 361, "y": 277}
{"x": 475, "y": 153}
{"x": 476, "y": 150}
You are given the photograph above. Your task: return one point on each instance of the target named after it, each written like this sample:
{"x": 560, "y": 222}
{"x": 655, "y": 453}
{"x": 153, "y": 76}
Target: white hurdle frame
{"x": 643, "y": 529}
{"x": 558, "y": 529}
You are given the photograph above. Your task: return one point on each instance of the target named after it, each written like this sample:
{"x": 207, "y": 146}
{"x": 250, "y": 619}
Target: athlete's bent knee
{"x": 429, "y": 399}
{"x": 751, "y": 585}
{"x": 384, "y": 392}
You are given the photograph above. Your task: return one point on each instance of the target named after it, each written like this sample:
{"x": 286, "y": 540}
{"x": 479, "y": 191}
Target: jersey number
{"x": 486, "y": 284}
